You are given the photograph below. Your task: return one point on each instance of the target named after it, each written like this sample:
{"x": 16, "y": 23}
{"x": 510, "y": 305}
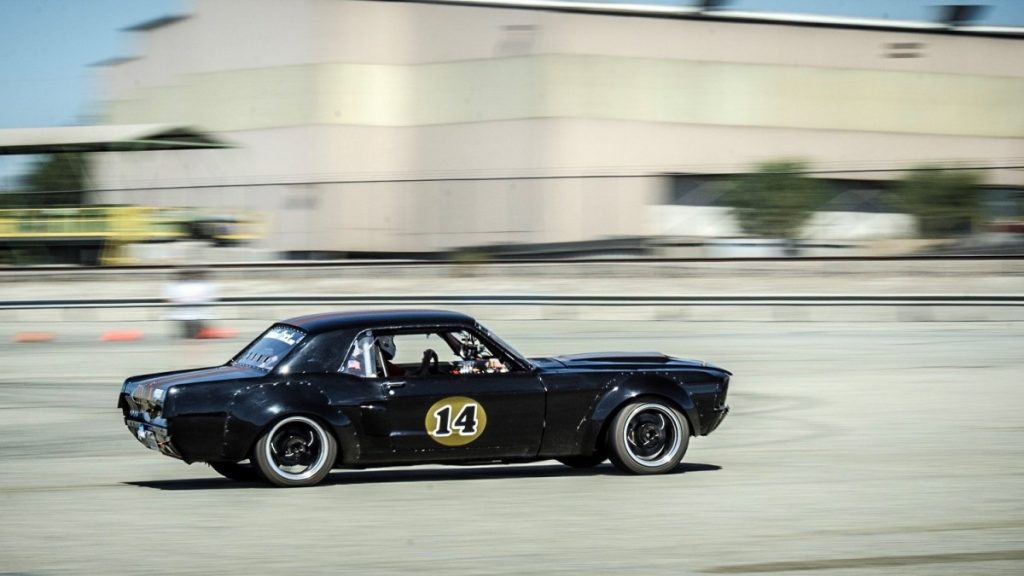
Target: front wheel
{"x": 297, "y": 451}
{"x": 648, "y": 437}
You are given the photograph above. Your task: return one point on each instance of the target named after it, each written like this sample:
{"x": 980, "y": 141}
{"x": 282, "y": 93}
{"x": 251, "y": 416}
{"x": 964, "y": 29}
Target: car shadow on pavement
{"x": 448, "y": 473}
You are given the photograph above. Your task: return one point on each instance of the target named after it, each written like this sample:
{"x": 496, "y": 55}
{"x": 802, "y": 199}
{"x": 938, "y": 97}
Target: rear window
{"x": 266, "y": 352}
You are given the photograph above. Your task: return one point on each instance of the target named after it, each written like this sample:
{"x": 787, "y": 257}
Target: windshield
{"x": 508, "y": 347}
{"x": 266, "y": 352}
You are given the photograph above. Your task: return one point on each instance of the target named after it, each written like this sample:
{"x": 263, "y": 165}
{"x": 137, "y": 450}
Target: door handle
{"x": 392, "y": 385}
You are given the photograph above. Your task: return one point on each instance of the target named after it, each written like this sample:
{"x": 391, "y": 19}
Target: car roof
{"x": 378, "y": 318}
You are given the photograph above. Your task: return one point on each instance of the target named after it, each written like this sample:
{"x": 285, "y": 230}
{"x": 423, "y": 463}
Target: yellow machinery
{"x": 110, "y": 229}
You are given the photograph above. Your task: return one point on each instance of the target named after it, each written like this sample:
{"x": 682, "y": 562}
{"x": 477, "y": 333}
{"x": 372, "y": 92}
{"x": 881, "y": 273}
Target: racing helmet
{"x": 386, "y": 344}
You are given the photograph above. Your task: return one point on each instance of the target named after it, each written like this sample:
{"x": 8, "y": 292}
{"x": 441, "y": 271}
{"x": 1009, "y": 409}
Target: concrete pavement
{"x": 853, "y": 449}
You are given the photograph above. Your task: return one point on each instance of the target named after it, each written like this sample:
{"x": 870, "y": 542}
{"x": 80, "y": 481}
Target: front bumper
{"x": 716, "y": 417}
{"x": 153, "y": 436}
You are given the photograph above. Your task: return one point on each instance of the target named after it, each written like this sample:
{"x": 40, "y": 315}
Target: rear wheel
{"x": 297, "y": 451}
{"x": 648, "y": 437}
{"x": 242, "y": 472}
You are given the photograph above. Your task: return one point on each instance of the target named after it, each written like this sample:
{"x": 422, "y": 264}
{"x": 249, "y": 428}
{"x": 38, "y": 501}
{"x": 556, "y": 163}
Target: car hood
{"x": 620, "y": 360}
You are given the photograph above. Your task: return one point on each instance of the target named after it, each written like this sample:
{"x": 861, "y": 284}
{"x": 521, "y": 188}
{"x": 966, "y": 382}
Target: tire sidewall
{"x": 619, "y": 451}
{"x": 267, "y": 468}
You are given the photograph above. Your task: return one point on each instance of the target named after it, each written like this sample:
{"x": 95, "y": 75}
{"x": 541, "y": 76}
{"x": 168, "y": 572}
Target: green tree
{"x": 945, "y": 202}
{"x": 776, "y": 200}
{"x": 54, "y": 180}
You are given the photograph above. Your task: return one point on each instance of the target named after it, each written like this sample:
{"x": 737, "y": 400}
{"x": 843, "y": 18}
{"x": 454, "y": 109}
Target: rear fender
{"x": 618, "y": 394}
{"x": 253, "y": 410}
{"x": 196, "y": 416}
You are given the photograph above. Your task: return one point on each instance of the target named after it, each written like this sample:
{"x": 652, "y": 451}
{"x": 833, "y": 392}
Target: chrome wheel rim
{"x": 297, "y": 448}
{"x": 652, "y": 434}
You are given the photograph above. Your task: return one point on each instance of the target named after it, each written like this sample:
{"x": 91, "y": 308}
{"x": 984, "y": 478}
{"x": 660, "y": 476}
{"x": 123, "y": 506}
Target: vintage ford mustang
{"x": 401, "y": 387}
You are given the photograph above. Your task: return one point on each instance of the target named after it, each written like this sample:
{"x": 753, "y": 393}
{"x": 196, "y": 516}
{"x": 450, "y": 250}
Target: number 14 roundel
{"x": 455, "y": 421}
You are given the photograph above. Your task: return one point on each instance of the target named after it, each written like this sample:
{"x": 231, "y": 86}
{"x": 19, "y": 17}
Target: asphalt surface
{"x": 852, "y": 449}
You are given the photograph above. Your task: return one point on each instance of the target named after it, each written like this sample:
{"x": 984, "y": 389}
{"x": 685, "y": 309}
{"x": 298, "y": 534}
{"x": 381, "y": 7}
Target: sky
{"x": 46, "y": 46}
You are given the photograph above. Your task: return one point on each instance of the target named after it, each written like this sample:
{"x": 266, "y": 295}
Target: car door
{"x": 461, "y": 415}
{"x": 486, "y": 416}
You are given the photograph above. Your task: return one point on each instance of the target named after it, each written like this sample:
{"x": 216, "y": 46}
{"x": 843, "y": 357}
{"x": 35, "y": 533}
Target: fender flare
{"x": 618, "y": 394}
{"x": 253, "y": 410}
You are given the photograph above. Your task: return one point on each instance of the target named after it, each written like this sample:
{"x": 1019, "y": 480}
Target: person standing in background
{"x": 191, "y": 293}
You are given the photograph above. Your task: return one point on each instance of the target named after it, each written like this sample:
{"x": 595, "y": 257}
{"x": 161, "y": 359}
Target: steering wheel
{"x": 429, "y": 363}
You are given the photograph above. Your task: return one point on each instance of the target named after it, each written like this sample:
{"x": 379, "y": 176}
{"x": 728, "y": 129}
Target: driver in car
{"x": 386, "y": 345}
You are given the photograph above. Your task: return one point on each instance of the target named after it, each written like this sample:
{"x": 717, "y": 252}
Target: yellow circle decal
{"x": 455, "y": 421}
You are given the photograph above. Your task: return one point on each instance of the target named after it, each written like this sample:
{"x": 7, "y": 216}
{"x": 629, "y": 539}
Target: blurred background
{"x": 325, "y": 129}
{"x": 824, "y": 196}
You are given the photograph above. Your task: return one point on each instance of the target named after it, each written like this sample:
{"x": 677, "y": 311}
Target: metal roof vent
{"x": 955, "y": 15}
{"x": 711, "y": 5}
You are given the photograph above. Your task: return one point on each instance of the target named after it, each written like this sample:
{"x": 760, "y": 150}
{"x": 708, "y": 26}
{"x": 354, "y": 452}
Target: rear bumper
{"x": 152, "y": 436}
{"x": 716, "y": 417}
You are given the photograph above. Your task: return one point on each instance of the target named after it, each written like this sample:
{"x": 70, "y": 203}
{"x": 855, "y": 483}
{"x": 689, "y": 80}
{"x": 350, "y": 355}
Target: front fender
{"x": 254, "y": 409}
{"x": 618, "y": 394}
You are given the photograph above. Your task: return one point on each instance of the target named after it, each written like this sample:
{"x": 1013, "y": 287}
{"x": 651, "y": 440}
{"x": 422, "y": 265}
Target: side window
{"x": 409, "y": 348}
{"x": 412, "y": 354}
{"x": 387, "y": 354}
{"x": 442, "y": 352}
{"x": 427, "y": 352}
{"x": 362, "y": 357}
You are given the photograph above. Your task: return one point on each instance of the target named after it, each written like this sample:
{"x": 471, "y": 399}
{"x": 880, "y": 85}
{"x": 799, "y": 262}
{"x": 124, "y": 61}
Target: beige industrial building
{"x": 414, "y": 126}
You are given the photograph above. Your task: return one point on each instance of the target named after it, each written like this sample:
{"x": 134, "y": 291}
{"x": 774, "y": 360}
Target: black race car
{"x": 400, "y": 387}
